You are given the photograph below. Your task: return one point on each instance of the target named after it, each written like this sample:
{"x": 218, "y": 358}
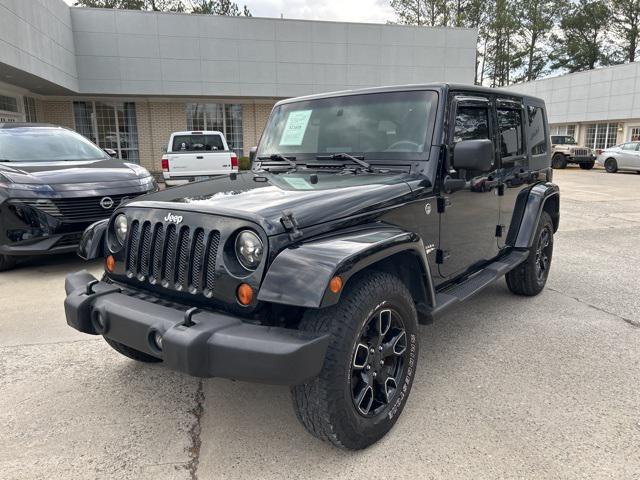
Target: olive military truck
{"x": 366, "y": 213}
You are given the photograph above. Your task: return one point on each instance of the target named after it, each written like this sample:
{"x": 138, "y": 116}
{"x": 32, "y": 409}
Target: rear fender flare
{"x": 540, "y": 198}
{"x": 300, "y": 275}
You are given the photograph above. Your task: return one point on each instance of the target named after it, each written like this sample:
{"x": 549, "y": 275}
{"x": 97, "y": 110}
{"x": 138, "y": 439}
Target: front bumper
{"x": 202, "y": 344}
{"x": 583, "y": 159}
{"x": 52, "y": 244}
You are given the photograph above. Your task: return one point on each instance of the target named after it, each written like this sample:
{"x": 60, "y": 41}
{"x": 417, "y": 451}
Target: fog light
{"x": 157, "y": 340}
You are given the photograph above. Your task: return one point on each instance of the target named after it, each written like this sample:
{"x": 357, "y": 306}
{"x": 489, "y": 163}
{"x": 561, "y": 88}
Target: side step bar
{"x": 467, "y": 288}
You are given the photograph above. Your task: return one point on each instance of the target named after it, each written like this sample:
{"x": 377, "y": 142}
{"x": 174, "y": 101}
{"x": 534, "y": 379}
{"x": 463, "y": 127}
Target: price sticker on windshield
{"x": 295, "y": 128}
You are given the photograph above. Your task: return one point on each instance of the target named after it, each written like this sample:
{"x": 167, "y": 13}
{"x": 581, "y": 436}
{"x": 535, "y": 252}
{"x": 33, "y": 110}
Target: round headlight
{"x": 249, "y": 249}
{"x": 120, "y": 225}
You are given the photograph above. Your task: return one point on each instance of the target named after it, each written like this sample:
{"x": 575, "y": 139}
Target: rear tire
{"x": 530, "y": 277}
{"x": 610, "y": 165}
{"x": 559, "y": 161}
{"x": 7, "y": 262}
{"x": 373, "y": 342}
{"x": 131, "y": 352}
{"x": 587, "y": 166}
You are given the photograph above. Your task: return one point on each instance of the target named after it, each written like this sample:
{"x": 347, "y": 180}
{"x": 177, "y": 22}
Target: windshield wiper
{"x": 346, "y": 156}
{"x": 282, "y": 158}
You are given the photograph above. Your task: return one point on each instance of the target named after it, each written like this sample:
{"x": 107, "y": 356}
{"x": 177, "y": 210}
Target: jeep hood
{"x": 264, "y": 198}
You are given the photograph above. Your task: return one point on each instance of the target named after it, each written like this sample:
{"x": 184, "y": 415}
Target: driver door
{"x": 468, "y": 217}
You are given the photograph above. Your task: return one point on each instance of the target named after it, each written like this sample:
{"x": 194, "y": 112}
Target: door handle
{"x": 199, "y": 157}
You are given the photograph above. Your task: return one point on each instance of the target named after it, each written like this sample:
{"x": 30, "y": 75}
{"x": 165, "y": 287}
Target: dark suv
{"x": 367, "y": 213}
{"x": 53, "y": 184}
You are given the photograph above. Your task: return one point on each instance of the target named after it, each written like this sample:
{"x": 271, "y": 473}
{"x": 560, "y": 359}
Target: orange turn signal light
{"x": 335, "y": 284}
{"x": 244, "y": 294}
{"x": 111, "y": 263}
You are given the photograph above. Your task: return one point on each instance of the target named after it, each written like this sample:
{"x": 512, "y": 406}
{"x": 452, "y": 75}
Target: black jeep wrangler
{"x": 366, "y": 213}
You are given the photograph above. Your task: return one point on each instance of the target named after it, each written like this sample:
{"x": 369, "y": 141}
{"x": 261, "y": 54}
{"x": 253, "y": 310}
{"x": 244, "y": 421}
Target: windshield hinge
{"x": 290, "y": 224}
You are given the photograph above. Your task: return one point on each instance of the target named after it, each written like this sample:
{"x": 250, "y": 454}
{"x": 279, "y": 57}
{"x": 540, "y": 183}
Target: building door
{"x": 468, "y": 223}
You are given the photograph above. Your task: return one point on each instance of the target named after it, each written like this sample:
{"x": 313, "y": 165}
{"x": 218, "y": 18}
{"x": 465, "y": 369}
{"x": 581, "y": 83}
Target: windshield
{"x": 37, "y": 144}
{"x": 396, "y": 125}
{"x": 563, "y": 140}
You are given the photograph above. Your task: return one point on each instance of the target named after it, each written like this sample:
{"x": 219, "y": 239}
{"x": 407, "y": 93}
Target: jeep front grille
{"x": 179, "y": 258}
{"x": 581, "y": 152}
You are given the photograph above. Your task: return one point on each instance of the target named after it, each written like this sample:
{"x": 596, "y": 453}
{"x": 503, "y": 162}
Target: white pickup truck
{"x": 194, "y": 156}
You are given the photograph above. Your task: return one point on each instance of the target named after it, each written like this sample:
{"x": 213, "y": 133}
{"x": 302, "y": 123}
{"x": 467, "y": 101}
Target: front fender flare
{"x": 300, "y": 275}
{"x": 92, "y": 242}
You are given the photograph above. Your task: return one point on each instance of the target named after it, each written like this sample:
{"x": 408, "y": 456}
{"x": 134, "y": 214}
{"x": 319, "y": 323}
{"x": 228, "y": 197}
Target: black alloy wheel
{"x": 378, "y": 361}
{"x": 543, "y": 253}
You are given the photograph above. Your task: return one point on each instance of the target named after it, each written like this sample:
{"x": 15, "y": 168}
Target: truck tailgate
{"x": 199, "y": 163}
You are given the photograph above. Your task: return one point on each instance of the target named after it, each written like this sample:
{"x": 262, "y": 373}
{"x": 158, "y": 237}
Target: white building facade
{"x": 600, "y": 108}
{"x": 127, "y": 79}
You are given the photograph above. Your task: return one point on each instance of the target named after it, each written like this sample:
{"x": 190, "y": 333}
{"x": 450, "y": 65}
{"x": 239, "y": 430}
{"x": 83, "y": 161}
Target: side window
{"x": 472, "y": 123}
{"x": 537, "y": 136}
{"x": 510, "y": 133}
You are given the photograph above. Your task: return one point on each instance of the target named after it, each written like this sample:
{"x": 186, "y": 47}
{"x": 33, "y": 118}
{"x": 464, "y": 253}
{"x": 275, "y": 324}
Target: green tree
{"x": 432, "y": 13}
{"x": 582, "y": 41}
{"x": 536, "y": 20}
{"x": 627, "y": 25}
{"x": 154, "y": 5}
{"x": 220, "y": 7}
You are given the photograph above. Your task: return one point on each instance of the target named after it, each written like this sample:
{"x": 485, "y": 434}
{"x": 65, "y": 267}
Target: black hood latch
{"x": 290, "y": 224}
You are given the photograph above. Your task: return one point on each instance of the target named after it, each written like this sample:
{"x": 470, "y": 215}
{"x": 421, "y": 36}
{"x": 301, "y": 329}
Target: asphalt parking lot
{"x": 506, "y": 387}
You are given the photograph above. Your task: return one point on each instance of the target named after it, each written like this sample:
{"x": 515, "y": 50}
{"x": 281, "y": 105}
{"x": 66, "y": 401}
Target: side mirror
{"x": 252, "y": 153}
{"x": 473, "y": 155}
{"x": 111, "y": 152}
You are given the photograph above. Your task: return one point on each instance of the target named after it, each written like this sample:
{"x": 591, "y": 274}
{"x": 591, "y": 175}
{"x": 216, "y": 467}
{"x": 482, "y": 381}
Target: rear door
{"x": 627, "y": 155}
{"x": 516, "y": 122}
{"x": 199, "y": 153}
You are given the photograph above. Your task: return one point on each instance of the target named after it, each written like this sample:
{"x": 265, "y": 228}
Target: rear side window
{"x": 537, "y": 134}
{"x": 197, "y": 143}
{"x": 510, "y": 131}
{"x": 629, "y": 146}
{"x": 472, "y": 123}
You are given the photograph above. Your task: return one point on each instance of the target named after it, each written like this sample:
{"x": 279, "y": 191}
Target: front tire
{"x": 587, "y": 165}
{"x": 610, "y": 165}
{"x": 559, "y": 161}
{"x": 530, "y": 277}
{"x": 7, "y": 262}
{"x": 369, "y": 366}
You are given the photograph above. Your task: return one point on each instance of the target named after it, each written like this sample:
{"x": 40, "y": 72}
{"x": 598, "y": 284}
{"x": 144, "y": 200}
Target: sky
{"x": 371, "y": 11}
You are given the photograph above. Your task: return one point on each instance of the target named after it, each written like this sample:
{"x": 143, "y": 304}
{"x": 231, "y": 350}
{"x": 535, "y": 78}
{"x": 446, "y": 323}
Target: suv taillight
{"x": 234, "y": 160}
{"x": 165, "y": 164}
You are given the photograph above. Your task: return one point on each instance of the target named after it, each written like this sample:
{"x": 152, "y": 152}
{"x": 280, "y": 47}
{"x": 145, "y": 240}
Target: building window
{"x": 30, "y": 114}
{"x": 109, "y": 125}
{"x": 225, "y": 118}
{"x": 569, "y": 130}
{"x": 602, "y": 135}
{"x": 8, "y": 104}
{"x": 635, "y": 134}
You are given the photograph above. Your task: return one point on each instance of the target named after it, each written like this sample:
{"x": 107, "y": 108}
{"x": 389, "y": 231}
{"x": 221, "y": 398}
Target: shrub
{"x": 244, "y": 163}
